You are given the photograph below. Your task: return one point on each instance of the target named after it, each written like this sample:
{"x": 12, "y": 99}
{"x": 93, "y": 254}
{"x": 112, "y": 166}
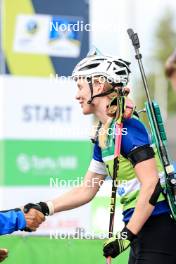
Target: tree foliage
{"x": 163, "y": 46}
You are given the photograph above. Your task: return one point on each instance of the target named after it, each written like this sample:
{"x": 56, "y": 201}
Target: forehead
{"x": 81, "y": 82}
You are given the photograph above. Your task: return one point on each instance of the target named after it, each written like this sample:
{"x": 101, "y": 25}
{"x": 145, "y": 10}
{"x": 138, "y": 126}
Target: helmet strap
{"x": 97, "y": 95}
{"x": 91, "y": 90}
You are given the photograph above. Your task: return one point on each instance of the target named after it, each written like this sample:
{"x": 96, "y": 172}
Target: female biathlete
{"x": 149, "y": 230}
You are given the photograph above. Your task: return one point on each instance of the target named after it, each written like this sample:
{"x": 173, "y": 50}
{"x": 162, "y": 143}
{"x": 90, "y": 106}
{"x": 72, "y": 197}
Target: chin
{"x": 87, "y": 111}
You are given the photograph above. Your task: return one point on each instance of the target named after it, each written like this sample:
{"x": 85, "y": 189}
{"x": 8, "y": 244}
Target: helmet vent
{"x": 119, "y": 64}
{"x": 121, "y": 72}
{"x": 94, "y": 65}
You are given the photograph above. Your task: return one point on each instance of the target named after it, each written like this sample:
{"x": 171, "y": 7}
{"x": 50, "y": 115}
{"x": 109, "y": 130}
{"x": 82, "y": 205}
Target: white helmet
{"x": 115, "y": 70}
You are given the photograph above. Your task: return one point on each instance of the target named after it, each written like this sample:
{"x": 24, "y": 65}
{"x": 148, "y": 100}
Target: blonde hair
{"x": 103, "y": 131}
{"x": 103, "y": 135}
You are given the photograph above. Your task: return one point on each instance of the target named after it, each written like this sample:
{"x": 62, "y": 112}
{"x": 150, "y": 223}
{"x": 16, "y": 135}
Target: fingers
{"x": 3, "y": 254}
{"x": 34, "y": 218}
{"x": 38, "y": 215}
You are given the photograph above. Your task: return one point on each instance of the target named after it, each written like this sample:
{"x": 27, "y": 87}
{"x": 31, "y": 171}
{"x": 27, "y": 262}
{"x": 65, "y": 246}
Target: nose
{"x": 77, "y": 97}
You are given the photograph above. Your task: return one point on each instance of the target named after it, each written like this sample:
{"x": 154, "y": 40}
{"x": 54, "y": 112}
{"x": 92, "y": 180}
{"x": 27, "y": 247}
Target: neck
{"x": 100, "y": 111}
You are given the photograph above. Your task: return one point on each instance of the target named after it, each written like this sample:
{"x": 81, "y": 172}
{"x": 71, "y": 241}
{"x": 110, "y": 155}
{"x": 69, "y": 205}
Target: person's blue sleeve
{"x": 97, "y": 153}
{"x": 136, "y": 135}
{"x": 11, "y": 221}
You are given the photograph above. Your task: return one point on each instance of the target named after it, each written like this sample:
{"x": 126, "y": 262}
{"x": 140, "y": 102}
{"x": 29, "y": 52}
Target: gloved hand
{"x": 34, "y": 216}
{"x": 116, "y": 245}
{"x": 44, "y": 208}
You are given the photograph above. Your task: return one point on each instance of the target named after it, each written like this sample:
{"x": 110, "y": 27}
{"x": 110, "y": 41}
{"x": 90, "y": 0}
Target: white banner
{"x": 87, "y": 218}
{"x": 61, "y": 223}
{"x": 43, "y": 108}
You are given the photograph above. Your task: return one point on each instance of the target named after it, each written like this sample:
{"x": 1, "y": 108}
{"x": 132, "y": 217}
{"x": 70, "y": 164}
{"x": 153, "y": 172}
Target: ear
{"x": 99, "y": 86}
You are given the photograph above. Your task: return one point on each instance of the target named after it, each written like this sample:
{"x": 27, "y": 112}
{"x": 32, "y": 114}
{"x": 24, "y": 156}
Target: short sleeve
{"x": 97, "y": 153}
{"x": 136, "y": 136}
{"x": 97, "y": 165}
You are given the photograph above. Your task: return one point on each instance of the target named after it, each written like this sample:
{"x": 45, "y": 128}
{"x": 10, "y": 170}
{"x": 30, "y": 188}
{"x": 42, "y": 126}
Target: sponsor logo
{"x": 31, "y": 26}
{"x": 51, "y": 35}
{"x": 121, "y": 191}
{"x": 27, "y": 163}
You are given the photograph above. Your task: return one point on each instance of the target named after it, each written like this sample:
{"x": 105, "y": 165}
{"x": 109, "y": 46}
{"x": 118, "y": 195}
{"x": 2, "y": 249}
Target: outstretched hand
{"x": 34, "y": 218}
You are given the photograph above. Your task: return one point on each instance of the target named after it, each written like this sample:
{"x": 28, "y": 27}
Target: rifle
{"x": 158, "y": 132}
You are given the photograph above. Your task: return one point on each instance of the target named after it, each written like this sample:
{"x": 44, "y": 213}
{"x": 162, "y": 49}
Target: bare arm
{"x": 148, "y": 176}
{"x": 79, "y": 195}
